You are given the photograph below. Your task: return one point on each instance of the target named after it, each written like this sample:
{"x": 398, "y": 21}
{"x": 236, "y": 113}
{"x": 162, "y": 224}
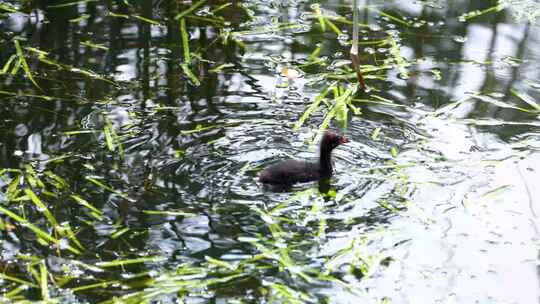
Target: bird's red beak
{"x": 343, "y": 140}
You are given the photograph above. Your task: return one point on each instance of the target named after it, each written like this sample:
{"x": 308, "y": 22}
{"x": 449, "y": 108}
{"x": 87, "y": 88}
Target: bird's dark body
{"x": 292, "y": 171}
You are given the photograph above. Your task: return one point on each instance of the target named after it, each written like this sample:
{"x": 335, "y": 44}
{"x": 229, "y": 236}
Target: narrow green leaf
{"x": 68, "y": 231}
{"x": 120, "y": 262}
{"x": 108, "y": 137}
{"x": 394, "y": 151}
{"x": 36, "y": 50}
{"x": 219, "y": 8}
{"x": 16, "y": 66}
{"x": 221, "y": 67}
{"x": 8, "y": 64}
{"x": 185, "y": 41}
{"x": 8, "y": 93}
{"x": 147, "y": 20}
{"x": 86, "y": 204}
{"x": 103, "y": 186}
{"x": 528, "y": 99}
{"x": 500, "y": 103}
{"x": 315, "y": 54}
{"x": 57, "y": 181}
{"x": 399, "y": 60}
{"x": 74, "y": 3}
{"x": 314, "y": 106}
{"x": 219, "y": 263}
{"x": 119, "y": 233}
{"x": 118, "y": 15}
{"x": 41, "y": 206}
{"x": 8, "y": 8}
{"x": 190, "y": 75}
{"x": 476, "y": 13}
{"x": 387, "y": 15}
{"x": 100, "y": 285}
{"x": 81, "y": 132}
{"x": 33, "y": 177}
{"x": 190, "y": 10}
{"x": 496, "y": 191}
{"x": 375, "y": 134}
{"x": 24, "y": 64}
{"x": 334, "y": 27}
{"x": 13, "y": 186}
{"x": 6, "y": 277}
{"x": 80, "y": 18}
{"x": 44, "y": 286}
{"x": 94, "y": 45}
{"x": 319, "y": 15}
{"x": 171, "y": 213}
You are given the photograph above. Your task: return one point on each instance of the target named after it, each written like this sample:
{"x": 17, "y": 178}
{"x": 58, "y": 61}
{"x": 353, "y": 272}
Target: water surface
{"x": 432, "y": 201}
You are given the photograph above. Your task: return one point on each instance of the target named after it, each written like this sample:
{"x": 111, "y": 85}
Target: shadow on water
{"x": 323, "y": 186}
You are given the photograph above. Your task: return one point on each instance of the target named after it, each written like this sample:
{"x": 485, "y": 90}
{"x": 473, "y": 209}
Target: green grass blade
{"x": 333, "y": 27}
{"x": 6, "y": 277}
{"x": 24, "y": 64}
{"x": 12, "y": 189}
{"x": 319, "y": 15}
{"x": 528, "y": 99}
{"x": 476, "y": 13}
{"x": 190, "y": 9}
{"x": 500, "y": 103}
{"x": 16, "y": 66}
{"x": 219, "y": 8}
{"x": 89, "y": 43}
{"x": 185, "y": 41}
{"x": 120, "y": 262}
{"x": 96, "y": 285}
{"x": 382, "y": 13}
{"x": 375, "y": 134}
{"x": 117, "y": 15}
{"x": 41, "y": 206}
{"x": 74, "y": 3}
{"x": 95, "y": 212}
{"x": 119, "y": 233}
{"x": 8, "y": 64}
{"x": 313, "y": 106}
{"x": 108, "y": 188}
{"x": 169, "y": 213}
{"x": 8, "y": 8}
{"x": 147, "y": 20}
{"x": 219, "y": 263}
{"x": 399, "y": 60}
{"x": 190, "y": 75}
{"x": 44, "y": 286}
{"x": 107, "y": 132}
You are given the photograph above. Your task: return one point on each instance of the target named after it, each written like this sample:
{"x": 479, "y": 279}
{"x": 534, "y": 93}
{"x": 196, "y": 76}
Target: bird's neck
{"x": 325, "y": 161}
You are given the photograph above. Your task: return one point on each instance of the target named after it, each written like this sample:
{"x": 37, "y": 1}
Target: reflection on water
{"x": 451, "y": 218}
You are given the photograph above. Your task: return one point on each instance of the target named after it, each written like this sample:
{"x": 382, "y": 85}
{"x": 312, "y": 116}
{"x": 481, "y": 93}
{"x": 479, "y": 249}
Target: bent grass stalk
{"x": 190, "y": 10}
{"x": 7, "y": 65}
{"x": 354, "y": 49}
{"x": 187, "y": 54}
{"x": 22, "y": 61}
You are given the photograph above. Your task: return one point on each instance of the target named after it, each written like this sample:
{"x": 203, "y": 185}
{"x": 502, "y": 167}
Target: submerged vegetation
{"x": 134, "y": 130}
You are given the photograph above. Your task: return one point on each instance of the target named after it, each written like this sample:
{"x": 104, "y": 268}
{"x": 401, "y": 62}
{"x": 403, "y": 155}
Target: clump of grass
{"x": 339, "y": 81}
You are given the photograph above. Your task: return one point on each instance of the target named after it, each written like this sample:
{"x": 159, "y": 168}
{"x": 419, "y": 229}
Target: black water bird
{"x": 292, "y": 171}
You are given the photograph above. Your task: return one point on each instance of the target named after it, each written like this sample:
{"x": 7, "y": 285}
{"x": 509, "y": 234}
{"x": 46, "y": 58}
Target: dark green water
{"x": 144, "y": 150}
